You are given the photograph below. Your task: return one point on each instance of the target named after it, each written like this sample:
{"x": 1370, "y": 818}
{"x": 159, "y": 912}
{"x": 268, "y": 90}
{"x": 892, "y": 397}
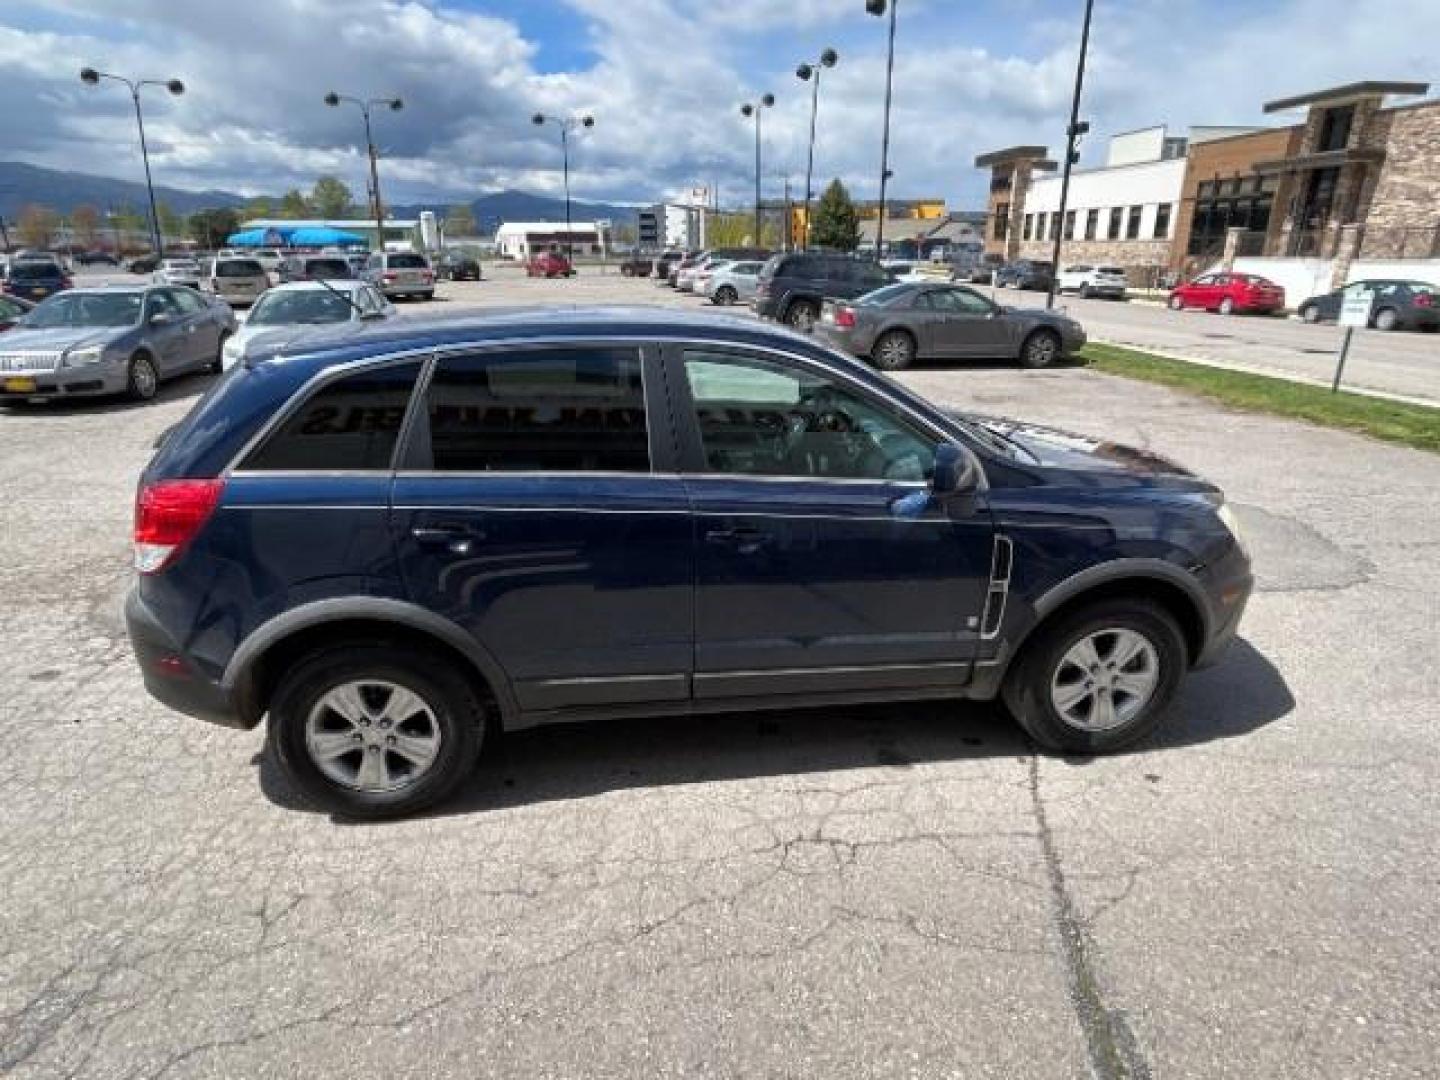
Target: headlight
{"x": 1231, "y": 522}
{"x": 91, "y": 354}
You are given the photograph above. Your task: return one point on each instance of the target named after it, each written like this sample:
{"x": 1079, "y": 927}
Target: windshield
{"x": 34, "y": 271}
{"x": 886, "y": 296}
{"x": 302, "y": 307}
{"x": 86, "y": 309}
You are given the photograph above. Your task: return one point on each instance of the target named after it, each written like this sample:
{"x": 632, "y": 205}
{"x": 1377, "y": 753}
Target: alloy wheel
{"x": 372, "y": 735}
{"x": 1105, "y": 680}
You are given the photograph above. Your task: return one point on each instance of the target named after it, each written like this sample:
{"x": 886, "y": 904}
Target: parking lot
{"x": 890, "y": 891}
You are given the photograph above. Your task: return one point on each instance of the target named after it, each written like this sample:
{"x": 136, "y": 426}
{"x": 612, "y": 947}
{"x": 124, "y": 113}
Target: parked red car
{"x": 549, "y": 264}
{"x": 1228, "y": 294}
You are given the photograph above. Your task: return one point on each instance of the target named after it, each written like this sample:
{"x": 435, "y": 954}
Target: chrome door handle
{"x": 457, "y": 539}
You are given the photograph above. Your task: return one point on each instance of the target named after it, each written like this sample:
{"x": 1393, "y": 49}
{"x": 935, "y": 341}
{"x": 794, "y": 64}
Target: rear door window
{"x": 537, "y": 410}
{"x": 350, "y": 424}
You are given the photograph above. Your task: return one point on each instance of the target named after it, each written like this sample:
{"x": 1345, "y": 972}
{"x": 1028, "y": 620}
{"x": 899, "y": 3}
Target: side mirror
{"x": 160, "y": 318}
{"x": 956, "y": 472}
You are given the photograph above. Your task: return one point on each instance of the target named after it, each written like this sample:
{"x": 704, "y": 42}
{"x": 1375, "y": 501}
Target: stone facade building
{"x": 1354, "y": 180}
{"x": 1012, "y": 173}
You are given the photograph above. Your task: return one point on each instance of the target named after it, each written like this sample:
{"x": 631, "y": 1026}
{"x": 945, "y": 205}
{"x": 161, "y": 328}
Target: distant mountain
{"x": 21, "y": 184}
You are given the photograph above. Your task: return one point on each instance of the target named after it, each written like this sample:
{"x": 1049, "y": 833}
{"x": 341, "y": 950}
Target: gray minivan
{"x": 237, "y": 279}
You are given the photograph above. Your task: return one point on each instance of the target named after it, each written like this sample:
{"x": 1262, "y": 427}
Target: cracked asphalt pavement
{"x": 879, "y": 892}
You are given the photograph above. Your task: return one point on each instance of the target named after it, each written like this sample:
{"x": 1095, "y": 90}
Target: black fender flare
{"x": 238, "y": 672}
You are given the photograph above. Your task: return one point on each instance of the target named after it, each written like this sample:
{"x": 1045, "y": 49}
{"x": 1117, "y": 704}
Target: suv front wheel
{"x": 372, "y": 732}
{"x": 1100, "y": 679}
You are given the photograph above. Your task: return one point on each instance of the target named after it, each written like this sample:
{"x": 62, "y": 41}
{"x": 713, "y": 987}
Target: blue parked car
{"x": 394, "y": 543}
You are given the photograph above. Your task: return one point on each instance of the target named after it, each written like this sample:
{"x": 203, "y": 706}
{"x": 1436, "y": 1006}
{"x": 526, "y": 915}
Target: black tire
{"x": 1041, "y": 349}
{"x": 428, "y": 295}
{"x": 1310, "y": 313}
{"x": 627, "y": 271}
{"x": 143, "y": 380}
{"x": 893, "y": 350}
{"x": 1227, "y": 306}
{"x": 215, "y": 366}
{"x": 1084, "y": 292}
{"x": 458, "y": 713}
{"x": 1027, "y": 691}
{"x": 726, "y": 295}
{"x": 1387, "y": 319}
{"x": 801, "y": 315}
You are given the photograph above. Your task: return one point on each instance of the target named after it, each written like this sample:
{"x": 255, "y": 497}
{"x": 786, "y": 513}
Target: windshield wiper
{"x": 343, "y": 296}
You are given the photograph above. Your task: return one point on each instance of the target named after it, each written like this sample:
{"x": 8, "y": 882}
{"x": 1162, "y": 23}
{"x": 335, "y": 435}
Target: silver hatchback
{"x": 237, "y": 280}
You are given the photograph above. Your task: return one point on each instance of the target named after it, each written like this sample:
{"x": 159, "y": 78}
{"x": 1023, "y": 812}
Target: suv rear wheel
{"x": 1100, "y": 679}
{"x": 801, "y": 315}
{"x": 372, "y": 732}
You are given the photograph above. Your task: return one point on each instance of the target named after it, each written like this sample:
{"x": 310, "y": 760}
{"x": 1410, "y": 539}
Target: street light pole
{"x": 91, "y": 77}
{"x": 878, "y": 8}
{"x": 566, "y": 126}
{"x": 766, "y": 101}
{"x": 363, "y": 104}
{"x": 1072, "y": 135}
{"x": 828, "y": 59}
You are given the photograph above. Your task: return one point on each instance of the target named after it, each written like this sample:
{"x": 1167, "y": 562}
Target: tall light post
{"x": 1072, "y": 136}
{"x": 811, "y": 73}
{"x": 365, "y": 105}
{"x": 91, "y": 77}
{"x": 566, "y": 125}
{"x": 878, "y": 8}
{"x": 766, "y": 101}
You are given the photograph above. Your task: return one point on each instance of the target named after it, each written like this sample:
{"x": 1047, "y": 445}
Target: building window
{"x": 1115, "y": 217}
{"x": 1055, "y": 225}
{"x": 1070, "y": 225}
{"x": 1002, "y": 220}
{"x": 1040, "y": 226}
{"x": 1029, "y": 225}
{"x": 1092, "y": 224}
{"x": 1335, "y": 128}
{"x": 1162, "y": 222}
{"x": 1132, "y": 227}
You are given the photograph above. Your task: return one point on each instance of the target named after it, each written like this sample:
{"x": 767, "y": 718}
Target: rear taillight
{"x": 1423, "y": 300}
{"x": 168, "y": 515}
{"x": 388, "y": 275}
{"x": 845, "y": 318}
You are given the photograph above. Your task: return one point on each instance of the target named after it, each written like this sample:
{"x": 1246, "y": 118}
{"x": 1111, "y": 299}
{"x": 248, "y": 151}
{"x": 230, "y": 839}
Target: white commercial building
{"x": 524, "y": 239}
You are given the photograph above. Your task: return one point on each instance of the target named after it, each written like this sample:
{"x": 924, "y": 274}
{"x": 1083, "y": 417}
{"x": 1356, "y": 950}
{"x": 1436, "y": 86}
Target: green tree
{"x": 294, "y": 205}
{"x": 210, "y": 228}
{"x": 129, "y": 223}
{"x": 85, "y": 226}
{"x": 729, "y": 229}
{"x": 331, "y": 199}
{"x": 837, "y": 223}
{"x": 171, "y": 223}
{"x": 262, "y": 206}
{"x": 37, "y": 226}
{"x": 460, "y": 221}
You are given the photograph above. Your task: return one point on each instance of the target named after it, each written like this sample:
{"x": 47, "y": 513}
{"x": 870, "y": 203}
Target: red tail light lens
{"x": 168, "y": 515}
{"x": 845, "y": 318}
{"x": 1423, "y": 300}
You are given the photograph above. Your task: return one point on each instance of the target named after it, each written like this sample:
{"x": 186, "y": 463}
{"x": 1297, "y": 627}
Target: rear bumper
{"x": 169, "y": 676}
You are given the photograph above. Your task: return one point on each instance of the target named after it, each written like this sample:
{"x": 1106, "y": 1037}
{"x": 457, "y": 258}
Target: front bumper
{"x": 1228, "y": 584}
{"x": 91, "y": 380}
{"x": 169, "y": 676}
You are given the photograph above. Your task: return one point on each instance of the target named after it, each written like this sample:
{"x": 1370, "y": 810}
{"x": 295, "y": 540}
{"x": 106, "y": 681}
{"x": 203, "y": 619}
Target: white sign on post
{"x": 1355, "y": 308}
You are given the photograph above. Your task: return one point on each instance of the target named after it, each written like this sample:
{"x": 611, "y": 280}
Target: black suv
{"x": 792, "y": 288}
{"x": 1025, "y": 274}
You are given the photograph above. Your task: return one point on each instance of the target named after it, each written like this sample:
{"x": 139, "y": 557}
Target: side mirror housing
{"x": 160, "y": 318}
{"x": 956, "y": 472}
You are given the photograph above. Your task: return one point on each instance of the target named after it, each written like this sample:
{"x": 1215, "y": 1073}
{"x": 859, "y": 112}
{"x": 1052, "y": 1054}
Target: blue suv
{"x": 397, "y": 542}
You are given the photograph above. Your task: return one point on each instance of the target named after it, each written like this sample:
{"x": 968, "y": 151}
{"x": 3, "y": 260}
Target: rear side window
{"x": 539, "y": 410}
{"x": 351, "y": 424}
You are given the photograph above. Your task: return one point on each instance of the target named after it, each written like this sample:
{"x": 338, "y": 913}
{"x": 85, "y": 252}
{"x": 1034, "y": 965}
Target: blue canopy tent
{"x": 302, "y": 237}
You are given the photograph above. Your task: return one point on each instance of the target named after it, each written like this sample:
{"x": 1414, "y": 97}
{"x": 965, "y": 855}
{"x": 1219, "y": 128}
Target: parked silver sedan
{"x": 289, "y": 311}
{"x": 120, "y": 339}
{"x": 894, "y": 326}
{"x": 734, "y": 284}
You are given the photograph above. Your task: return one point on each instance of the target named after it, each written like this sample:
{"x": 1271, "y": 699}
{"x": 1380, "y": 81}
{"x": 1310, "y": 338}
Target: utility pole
{"x": 394, "y": 105}
{"x": 1072, "y": 136}
{"x": 766, "y": 101}
{"x": 878, "y": 8}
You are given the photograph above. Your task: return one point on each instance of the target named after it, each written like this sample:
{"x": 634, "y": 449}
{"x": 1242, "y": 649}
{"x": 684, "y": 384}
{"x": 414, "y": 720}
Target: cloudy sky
{"x": 664, "y": 79}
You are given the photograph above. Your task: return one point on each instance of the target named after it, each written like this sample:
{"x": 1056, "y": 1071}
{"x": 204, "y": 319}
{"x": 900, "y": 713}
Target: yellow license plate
{"x": 20, "y": 386}
{"x": 41, "y": 292}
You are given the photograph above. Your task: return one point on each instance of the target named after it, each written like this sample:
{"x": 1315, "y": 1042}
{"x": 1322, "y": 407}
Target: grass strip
{"x": 1393, "y": 421}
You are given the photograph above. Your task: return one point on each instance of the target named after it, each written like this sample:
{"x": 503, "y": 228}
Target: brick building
{"x": 1356, "y": 180}
{"x": 1012, "y": 173}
